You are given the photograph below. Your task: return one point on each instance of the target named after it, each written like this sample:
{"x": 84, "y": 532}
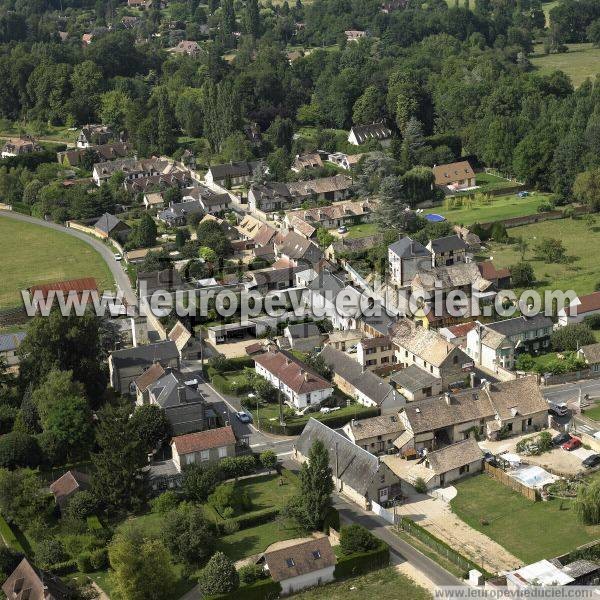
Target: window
{"x": 316, "y": 554}
{"x": 222, "y": 451}
{"x": 290, "y": 562}
{"x": 384, "y": 359}
{"x": 464, "y": 469}
{"x": 431, "y": 369}
{"x": 204, "y": 455}
{"x": 455, "y": 360}
{"x": 529, "y": 422}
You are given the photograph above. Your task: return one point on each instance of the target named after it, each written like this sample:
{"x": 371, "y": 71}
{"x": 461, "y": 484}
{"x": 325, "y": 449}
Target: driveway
{"x": 121, "y": 278}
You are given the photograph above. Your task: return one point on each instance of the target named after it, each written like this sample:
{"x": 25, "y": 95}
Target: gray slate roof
{"x": 234, "y": 169}
{"x": 450, "y": 242}
{"x": 107, "y": 223}
{"x": 371, "y": 385}
{"x": 11, "y": 341}
{"x": 518, "y": 325}
{"x": 303, "y": 330}
{"x": 413, "y": 378}
{"x": 146, "y": 354}
{"x": 408, "y": 248}
{"x": 356, "y": 466}
{"x": 454, "y": 456}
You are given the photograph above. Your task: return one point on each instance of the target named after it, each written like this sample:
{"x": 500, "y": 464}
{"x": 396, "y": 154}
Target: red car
{"x": 572, "y": 444}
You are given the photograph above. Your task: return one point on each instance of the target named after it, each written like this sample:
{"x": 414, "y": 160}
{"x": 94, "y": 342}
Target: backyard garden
{"x": 528, "y": 530}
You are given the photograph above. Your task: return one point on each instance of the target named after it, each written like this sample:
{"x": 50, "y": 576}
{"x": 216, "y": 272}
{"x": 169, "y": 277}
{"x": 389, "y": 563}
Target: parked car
{"x": 572, "y": 444}
{"x": 561, "y": 438}
{"x": 243, "y": 417}
{"x": 558, "y": 409}
{"x": 118, "y": 257}
{"x": 591, "y": 461}
{"x": 342, "y": 229}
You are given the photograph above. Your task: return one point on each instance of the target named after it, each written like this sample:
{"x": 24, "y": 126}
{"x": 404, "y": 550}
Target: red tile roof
{"x": 588, "y": 303}
{"x": 296, "y": 375}
{"x": 489, "y": 271}
{"x": 462, "y": 329}
{"x": 77, "y": 285}
{"x": 69, "y": 483}
{"x": 204, "y": 440}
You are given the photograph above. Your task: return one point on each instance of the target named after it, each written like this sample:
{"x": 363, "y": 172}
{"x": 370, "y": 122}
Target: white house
{"x": 579, "y": 309}
{"x": 298, "y": 382}
{"x": 301, "y": 564}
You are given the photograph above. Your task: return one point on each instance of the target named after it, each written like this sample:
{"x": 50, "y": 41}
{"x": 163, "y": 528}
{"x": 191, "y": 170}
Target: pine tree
{"x": 166, "y": 139}
{"x": 252, "y": 23}
{"x": 228, "y": 17}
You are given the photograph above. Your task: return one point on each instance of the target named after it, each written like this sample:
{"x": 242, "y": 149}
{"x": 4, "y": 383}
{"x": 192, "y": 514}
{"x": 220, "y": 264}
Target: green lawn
{"x": 362, "y": 230}
{"x": 385, "y": 584}
{"x": 581, "y": 273}
{"x": 500, "y": 207}
{"x": 579, "y": 63}
{"x": 593, "y": 413}
{"x": 247, "y": 542}
{"x": 33, "y": 255}
{"x": 529, "y": 530}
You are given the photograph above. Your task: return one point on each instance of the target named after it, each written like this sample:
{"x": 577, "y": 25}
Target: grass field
{"x": 579, "y": 63}
{"x": 593, "y": 413}
{"x": 529, "y": 530}
{"x": 385, "y": 584}
{"x": 362, "y": 230}
{"x": 500, "y": 207}
{"x": 32, "y": 255}
{"x": 581, "y": 273}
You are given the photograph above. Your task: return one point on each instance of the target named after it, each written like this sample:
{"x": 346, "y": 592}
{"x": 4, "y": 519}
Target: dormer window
{"x": 316, "y": 554}
{"x": 290, "y": 562}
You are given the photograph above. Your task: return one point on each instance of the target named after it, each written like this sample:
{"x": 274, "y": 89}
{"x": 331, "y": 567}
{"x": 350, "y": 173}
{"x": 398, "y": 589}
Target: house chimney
{"x": 448, "y": 398}
{"x": 181, "y": 394}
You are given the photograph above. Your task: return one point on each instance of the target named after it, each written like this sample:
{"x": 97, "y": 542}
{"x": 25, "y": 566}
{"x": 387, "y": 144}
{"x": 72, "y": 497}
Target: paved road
{"x": 570, "y": 391}
{"x": 400, "y": 550}
{"x": 107, "y": 254}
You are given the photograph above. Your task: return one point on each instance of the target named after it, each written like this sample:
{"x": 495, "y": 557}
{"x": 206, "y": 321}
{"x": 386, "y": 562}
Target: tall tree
{"x": 587, "y": 188}
{"x": 142, "y": 568}
{"x": 64, "y": 410}
{"x": 119, "y": 482}
{"x": 76, "y": 344}
{"x": 252, "y": 23}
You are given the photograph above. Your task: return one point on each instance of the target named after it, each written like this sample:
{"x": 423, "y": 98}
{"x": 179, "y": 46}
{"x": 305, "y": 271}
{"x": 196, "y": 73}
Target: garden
{"x": 528, "y": 530}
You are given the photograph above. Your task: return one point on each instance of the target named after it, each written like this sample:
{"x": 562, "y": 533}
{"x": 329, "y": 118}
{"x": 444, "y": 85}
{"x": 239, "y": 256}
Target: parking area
{"x": 557, "y": 460}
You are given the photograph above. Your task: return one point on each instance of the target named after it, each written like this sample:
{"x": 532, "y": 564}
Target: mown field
{"x": 464, "y": 212}
{"x": 33, "y": 255}
{"x": 528, "y": 530}
{"x": 580, "y": 272}
{"x": 579, "y": 63}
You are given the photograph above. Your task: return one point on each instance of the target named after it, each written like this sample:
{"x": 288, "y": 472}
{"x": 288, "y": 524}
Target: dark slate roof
{"x": 408, "y": 248}
{"x": 371, "y": 385}
{"x": 234, "y": 169}
{"x": 448, "y": 243}
{"x": 166, "y": 390}
{"x": 178, "y": 210}
{"x": 356, "y": 467}
{"x": 146, "y": 354}
{"x": 413, "y": 378}
{"x": 303, "y": 330}
{"x": 11, "y": 341}
{"x": 107, "y": 223}
{"x": 326, "y": 281}
{"x": 510, "y": 327}
{"x": 373, "y": 130}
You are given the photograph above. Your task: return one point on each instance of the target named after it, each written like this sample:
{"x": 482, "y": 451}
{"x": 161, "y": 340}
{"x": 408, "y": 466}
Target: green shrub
{"x": 228, "y": 499}
{"x": 64, "y": 568}
{"x": 164, "y": 503}
{"x": 362, "y": 562}
{"x": 356, "y": 538}
{"x": 99, "y": 559}
{"x": 251, "y": 573}
{"x": 258, "y": 517}
{"x": 237, "y": 466}
{"x": 84, "y": 563}
{"x": 82, "y": 505}
{"x": 420, "y": 485}
{"x": 50, "y": 552}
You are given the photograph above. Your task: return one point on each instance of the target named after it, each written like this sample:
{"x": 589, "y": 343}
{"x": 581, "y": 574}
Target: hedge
{"x": 21, "y": 208}
{"x": 330, "y": 419}
{"x": 65, "y": 567}
{"x": 362, "y": 562}
{"x": 258, "y": 517}
{"x": 435, "y": 543}
{"x": 9, "y": 537}
{"x": 263, "y": 589}
{"x": 93, "y": 523}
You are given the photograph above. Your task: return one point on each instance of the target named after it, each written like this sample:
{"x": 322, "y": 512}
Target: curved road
{"x": 119, "y": 275}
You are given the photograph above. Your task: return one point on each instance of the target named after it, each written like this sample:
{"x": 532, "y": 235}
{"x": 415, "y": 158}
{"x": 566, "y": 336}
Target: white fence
{"x": 384, "y": 513}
